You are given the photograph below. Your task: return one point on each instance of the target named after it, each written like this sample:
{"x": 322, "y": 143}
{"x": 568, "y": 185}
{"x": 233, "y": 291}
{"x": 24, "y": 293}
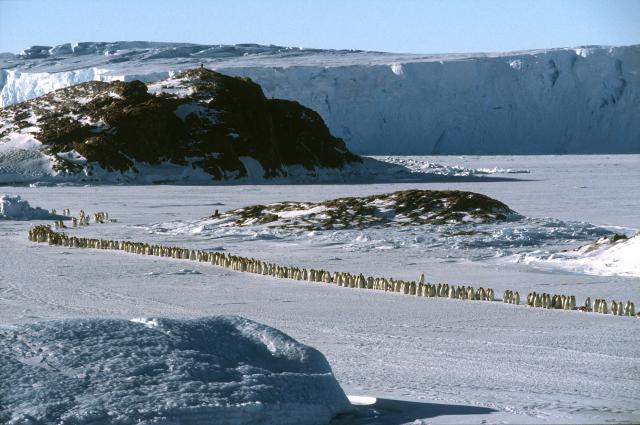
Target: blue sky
{"x": 418, "y": 26}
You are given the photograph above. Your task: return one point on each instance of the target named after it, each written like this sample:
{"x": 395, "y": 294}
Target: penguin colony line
{"x": 43, "y": 233}
{"x": 82, "y": 220}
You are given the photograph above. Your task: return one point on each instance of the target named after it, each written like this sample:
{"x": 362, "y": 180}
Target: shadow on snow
{"x": 397, "y": 412}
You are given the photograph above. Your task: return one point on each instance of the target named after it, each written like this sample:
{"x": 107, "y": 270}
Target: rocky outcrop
{"x": 198, "y": 119}
{"x": 402, "y": 208}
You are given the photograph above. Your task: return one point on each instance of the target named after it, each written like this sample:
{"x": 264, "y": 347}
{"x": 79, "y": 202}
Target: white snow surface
{"x": 24, "y": 141}
{"x": 220, "y": 369}
{"x": 418, "y": 360}
{"x": 23, "y": 159}
{"x": 618, "y": 259}
{"x": 13, "y": 207}
{"x": 567, "y": 100}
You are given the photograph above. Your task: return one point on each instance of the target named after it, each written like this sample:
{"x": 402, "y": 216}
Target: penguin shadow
{"x": 382, "y": 411}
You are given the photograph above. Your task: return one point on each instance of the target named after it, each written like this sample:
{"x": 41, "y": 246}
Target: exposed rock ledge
{"x": 402, "y": 208}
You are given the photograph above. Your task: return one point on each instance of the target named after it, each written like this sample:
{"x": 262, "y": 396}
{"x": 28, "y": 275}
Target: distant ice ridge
{"x": 620, "y": 258}
{"x": 13, "y": 207}
{"x": 220, "y": 369}
{"x": 416, "y": 165}
{"x": 18, "y": 86}
{"x": 582, "y": 100}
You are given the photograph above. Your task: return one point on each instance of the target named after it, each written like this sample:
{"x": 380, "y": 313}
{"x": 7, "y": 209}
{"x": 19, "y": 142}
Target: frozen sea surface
{"x": 430, "y": 360}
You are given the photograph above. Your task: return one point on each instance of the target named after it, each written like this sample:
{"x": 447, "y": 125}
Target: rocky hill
{"x": 402, "y": 208}
{"x": 198, "y": 122}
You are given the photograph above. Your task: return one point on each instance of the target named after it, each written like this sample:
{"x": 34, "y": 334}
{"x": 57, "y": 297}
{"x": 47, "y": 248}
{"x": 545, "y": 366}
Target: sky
{"x": 407, "y": 26}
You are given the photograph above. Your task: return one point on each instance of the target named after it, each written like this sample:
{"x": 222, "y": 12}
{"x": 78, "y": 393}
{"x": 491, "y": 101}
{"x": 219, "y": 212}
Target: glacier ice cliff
{"x": 578, "y": 100}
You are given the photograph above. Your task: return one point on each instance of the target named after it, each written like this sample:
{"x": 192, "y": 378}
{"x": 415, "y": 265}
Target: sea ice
{"x": 510, "y": 364}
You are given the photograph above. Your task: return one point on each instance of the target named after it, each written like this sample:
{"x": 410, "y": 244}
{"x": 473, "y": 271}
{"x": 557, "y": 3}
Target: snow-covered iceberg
{"x": 567, "y": 100}
{"x": 223, "y": 370}
{"x": 13, "y": 207}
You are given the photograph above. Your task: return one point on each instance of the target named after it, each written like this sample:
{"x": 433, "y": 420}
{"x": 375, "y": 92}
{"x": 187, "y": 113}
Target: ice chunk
{"x": 16, "y": 208}
{"x": 212, "y": 370}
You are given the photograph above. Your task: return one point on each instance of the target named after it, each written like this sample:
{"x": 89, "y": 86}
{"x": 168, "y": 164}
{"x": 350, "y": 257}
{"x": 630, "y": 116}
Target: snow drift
{"x": 162, "y": 371}
{"x": 608, "y": 256}
{"x": 569, "y": 100}
{"x": 16, "y": 208}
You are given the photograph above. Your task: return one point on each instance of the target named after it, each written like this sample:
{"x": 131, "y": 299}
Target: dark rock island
{"x": 198, "y": 119}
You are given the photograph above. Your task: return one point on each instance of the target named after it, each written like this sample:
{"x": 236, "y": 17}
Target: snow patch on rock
{"x": 23, "y": 141}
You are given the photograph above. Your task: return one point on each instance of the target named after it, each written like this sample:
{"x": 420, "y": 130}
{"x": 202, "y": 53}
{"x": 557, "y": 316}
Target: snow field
{"x": 425, "y": 360}
{"x": 519, "y": 365}
{"x": 343, "y": 279}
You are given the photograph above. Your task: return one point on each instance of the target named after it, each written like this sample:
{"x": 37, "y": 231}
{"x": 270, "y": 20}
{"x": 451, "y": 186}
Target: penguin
{"x": 480, "y": 294}
{"x": 490, "y": 294}
{"x": 470, "y": 293}
{"x": 603, "y": 307}
{"x": 537, "y": 301}
{"x": 530, "y": 298}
